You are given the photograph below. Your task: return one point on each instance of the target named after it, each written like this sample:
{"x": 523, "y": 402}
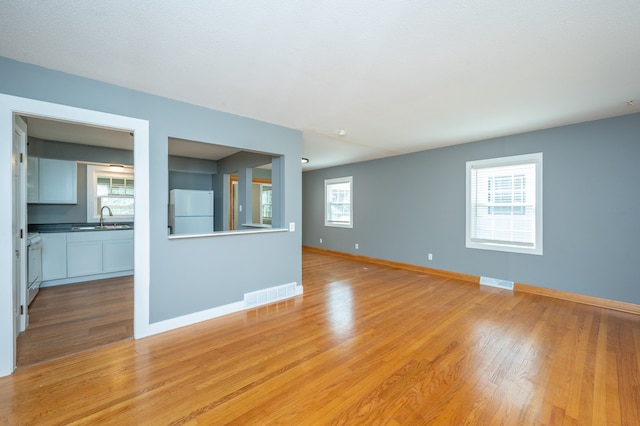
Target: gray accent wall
{"x": 407, "y": 206}
{"x": 194, "y": 274}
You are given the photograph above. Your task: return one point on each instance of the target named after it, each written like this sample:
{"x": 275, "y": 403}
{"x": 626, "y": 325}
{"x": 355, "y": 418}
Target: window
{"x": 112, "y": 187}
{"x": 504, "y": 204}
{"x": 338, "y": 199}
{"x": 265, "y": 204}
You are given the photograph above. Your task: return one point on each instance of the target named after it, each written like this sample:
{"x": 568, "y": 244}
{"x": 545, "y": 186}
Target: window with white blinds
{"x": 115, "y": 192}
{"x": 338, "y": 197}
{"x": 504, "y": 204}
{"x": 113, "y": 187}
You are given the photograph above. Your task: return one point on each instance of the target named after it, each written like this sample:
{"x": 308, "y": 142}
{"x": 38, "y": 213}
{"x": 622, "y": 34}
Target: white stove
{"x": 34, "y": 264}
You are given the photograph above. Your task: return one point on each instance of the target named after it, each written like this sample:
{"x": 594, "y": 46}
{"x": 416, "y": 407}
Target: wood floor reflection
{"x": 72, "y": 318}
{"x": 364, "y": 345}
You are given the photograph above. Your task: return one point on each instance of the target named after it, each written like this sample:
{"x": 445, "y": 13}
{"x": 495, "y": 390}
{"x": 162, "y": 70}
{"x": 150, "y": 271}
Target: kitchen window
{"x": 338, "y": 202}
{"x": 113, "y": 187}
{"x": 504, "y": 204}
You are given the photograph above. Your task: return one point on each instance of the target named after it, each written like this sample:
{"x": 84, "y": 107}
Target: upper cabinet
{"x": 51, "y": 181}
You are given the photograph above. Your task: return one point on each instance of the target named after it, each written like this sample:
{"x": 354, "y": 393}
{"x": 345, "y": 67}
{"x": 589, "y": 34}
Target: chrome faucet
{"x": 101, "y": 214}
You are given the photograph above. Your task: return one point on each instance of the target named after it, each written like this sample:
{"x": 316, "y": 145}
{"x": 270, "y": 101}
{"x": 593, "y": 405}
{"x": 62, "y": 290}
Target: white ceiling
{"x": 63, "y": 131}
{"x": 55, "y": 130}
{"x": 398, "y": 76}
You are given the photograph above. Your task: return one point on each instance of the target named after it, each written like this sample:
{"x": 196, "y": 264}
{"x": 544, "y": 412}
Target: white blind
{"x": 117, "y": 193}
{"x": 503, "y": 204}
{"x": 338, "y": 199}
{"x": 339, "y": 202}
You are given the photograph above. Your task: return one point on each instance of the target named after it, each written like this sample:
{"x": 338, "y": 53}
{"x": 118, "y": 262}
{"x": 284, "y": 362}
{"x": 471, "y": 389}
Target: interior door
{"x": 19, "y": 274}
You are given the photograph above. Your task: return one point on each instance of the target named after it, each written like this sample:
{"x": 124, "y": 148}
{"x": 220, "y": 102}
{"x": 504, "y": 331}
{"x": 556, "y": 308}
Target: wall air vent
{"x": 495, "y": 282}
{"x": 269, "y": 295}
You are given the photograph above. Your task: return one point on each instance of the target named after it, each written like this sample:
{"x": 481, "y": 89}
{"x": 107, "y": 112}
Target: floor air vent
{"x": 494, "y": 282}
{"x": 269, "y": 295}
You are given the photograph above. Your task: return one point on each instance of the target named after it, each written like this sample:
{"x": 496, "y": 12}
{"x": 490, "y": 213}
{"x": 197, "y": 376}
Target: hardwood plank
{"x": 365, "y": 344}
{"x": 72, "y": 318}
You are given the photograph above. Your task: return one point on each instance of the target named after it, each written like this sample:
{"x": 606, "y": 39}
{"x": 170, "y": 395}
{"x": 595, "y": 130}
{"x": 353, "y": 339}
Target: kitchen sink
{"x": 100, "y": 227}
{"x": 113, "y": 227}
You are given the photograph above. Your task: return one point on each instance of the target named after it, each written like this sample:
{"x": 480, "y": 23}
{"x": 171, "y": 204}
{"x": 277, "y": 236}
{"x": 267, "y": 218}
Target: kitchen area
{"x": 80, "y": 215}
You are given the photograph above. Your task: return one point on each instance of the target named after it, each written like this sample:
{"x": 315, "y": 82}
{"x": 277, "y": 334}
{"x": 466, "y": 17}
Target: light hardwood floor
{"x": 364, "y": 345}
{"x": 71, "y": 318}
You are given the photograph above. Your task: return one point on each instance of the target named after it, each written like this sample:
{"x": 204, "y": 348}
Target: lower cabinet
{"x": 84, "y": 258}
{"x": 78, "y": 254}
{"x": 54, "y": 256}
{"x": 117, "y": 255}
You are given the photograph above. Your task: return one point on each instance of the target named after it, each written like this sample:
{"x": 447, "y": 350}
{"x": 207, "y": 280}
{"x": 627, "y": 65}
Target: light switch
{"x": 292, "y": 226}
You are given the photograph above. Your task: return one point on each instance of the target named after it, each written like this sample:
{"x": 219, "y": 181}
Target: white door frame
{"x": 19, "y": 223}
{"x": 10, "y": 105}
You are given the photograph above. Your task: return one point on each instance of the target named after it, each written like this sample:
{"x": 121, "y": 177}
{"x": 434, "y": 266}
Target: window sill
{"x": 504, "y": 248}
{"x": 227, "y": 233}
{"x": 336, "y": 225}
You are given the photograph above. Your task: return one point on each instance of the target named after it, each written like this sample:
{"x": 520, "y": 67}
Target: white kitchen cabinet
{"x": 117, "y": 255}
{"x": 84, "y": 257}
{"x": 67, "y": 257}
{"x": 54, "y": 256}
{"x": 32, "y": 179}
{"x": 99, "y": 252}
{"x": 57, "y": 182}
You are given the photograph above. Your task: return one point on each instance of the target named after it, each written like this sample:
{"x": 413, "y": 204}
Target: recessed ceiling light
{"x": 304, "y": 160}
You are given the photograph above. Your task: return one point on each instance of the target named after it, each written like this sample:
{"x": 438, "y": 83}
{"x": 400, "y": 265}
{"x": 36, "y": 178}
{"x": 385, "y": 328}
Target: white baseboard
{"x": 85, "y": 278}
{"x": 196, "y": 317}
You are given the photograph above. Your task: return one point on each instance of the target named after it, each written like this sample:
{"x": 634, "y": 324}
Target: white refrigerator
{"x": 190, "y": 211}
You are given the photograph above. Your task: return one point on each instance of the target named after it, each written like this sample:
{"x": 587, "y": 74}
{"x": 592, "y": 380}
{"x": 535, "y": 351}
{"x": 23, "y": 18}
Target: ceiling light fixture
{"x": 304, "y": 160}
{"x": 341, "y": 132}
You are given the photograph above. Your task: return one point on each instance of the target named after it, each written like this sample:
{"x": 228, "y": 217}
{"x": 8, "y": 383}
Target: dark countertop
{"x": 76, "y": 227}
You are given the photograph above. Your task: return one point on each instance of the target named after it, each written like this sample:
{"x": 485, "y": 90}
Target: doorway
{"x": 261, "y": 205}
{"x": 10, "y": 105}
{"x": 80, "y": 304}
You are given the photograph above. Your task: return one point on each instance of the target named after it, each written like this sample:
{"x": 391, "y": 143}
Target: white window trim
{"x": 333, "y": 181}
{"x": 535, "y": 158}
{"x": 92, "y": 178}
{"x": 262, "y": 203}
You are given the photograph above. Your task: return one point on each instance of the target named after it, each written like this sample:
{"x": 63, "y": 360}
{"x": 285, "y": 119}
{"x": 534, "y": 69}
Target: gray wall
{"x": 185, "y": 180}
{"x": 411, "y": 205}
{"x": 187, "y": 275}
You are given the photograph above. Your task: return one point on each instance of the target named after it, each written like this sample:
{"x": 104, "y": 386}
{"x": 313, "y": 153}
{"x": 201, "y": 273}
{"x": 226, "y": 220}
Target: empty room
{"x": 400, "y": 213}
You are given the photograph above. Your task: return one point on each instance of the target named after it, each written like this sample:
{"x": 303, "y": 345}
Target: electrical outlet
{"x": 320, "y": 240}
{"x": 430, "y": 256}
{"x": 357, "y": 246}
